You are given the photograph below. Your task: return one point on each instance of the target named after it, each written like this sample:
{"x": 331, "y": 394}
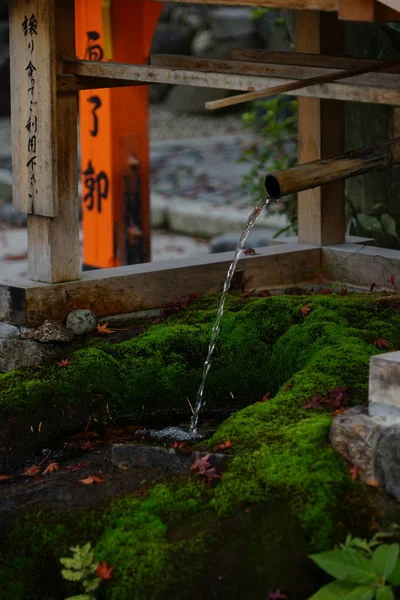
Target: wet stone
{"x": 81, "y": 321}
{"x": 384, "y": 386}
{"x": 387, "y": 460}
{"x": 53, "y": 331}
{"x": 132, "y": 456}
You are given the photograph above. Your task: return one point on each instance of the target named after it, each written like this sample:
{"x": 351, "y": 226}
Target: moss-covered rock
{"x": 280, "y": 451}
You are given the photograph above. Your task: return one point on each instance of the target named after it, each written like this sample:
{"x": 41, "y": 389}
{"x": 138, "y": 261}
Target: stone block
{"x": 387, "y": 460}
{"x": 355, "y": 436}
{"x": 384, "y": 386}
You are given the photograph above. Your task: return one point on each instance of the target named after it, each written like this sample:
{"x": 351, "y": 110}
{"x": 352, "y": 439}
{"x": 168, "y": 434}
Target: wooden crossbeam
{"x": 329, "y": 5}
{"x": 363, "y": 91}
{"x": 305, "y": 59}
{"x": 153, "y": 285}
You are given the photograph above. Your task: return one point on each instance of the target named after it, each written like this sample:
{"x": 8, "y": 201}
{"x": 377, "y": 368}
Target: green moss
{"x": 280, "y": 451}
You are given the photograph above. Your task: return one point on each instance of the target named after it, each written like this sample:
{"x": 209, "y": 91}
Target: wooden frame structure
{"x": 45, "y": 80}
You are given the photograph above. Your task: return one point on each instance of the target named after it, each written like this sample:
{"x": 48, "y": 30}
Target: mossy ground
{"x": 281, "y": 453}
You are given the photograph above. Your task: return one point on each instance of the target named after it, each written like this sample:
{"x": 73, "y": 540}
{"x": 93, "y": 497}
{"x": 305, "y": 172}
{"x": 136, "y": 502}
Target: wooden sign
{"x": 33, "y": 106}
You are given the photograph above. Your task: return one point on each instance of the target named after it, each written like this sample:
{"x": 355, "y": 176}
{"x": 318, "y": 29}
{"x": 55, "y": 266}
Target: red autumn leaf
{"x": 51, "y": 468}
{"x": 305, "y": 310}
{"x": 64, "y": 363}
{"x": 321, "y": 291}
{"x": 355, "y": 473}
{"x": 266, "y": 397}
{"x": 204, "y": 468}
{"x": 315, "y": 402}
{"x": 6, "y": 477}
{"x": 76, "y": 467}
{"x": 91, "y": 479}
{"x": 103, "y": 571}
{"x": 179, "y": 445}
{"x": 225, "y": 445}
{"x": 372, "y": 287}
{"x": 276, "y": 596}
{"x": 382, "y": 343}
{"x": 250, "y": 252}
{"x": 22, "y": 256}
{"x": 392, "y": 279}
{"x": 31, "y": 472}
{"x": 103, "y": 329}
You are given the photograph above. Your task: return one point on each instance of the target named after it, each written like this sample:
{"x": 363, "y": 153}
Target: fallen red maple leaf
{"x": 276, "y": 596}
{"x": 53, "y": 466}
{"x": 225, "y": 445}
{"x": 305, "y": 310}
{"x": 392, "y": 279}
{"x": 91, "y": 479}
{"x": 355, "y": 472}
{"x": 103, "y": 329}
{"x": 179, "y": 445}
{"x": 64, "y": 363}
{"x": 382, "y": 343}
{"x": 372, "y": 286}
{"x": 76, "y": 467}
{"x": 6, "y": 477}
{"x": 103, "y": 571}
{"x": 266, "y": 397}
{"x": 31, "y": 472}
{"x": 204, "y": 468}
{"x": 250, "y": 252}
{"x": 22, "y": 256}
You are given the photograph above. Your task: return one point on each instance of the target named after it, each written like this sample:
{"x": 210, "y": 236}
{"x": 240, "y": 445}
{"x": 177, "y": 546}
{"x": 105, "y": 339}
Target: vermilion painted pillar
{"x": 114, "y": 134}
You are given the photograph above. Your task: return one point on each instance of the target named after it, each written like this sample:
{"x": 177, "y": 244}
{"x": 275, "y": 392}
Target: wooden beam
{"x": 153, "y": 285}
{"x": 304, "y": 59}
{"x": 33, "y": 106}
{"x": 320, "y": 134}
{"x": 357, "y": 10}
{"x": 69, "y": 83}
{"x": 388, "y": 77}
{"x": 53, "y": 243}
{"x": 329, "y": 5}
{"x": 149, "y": 74}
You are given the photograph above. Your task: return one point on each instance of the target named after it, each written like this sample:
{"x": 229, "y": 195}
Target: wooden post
{"x": 44, "y": 132}
{"x": 321, "y": 218}
{"x": 114, "y": 135}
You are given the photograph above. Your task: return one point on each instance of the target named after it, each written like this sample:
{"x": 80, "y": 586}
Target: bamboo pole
{"x": 298, "y": 85}
{"x": 310, "y": 175}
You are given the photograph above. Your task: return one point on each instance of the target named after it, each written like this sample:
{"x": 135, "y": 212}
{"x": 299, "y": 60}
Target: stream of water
{"x": 217, "y": 324}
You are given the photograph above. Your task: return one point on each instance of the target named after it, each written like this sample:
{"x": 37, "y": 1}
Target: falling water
{"x": 217, "y": 324}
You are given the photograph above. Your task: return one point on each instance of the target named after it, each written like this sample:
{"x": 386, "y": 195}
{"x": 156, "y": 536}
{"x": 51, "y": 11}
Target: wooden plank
{"x": 320, "y": 134}
{"x": 147, "y": 286}
{"x": 33, "y": 87}
{"x": 357, "y": 10}
{"x": 53, "y": 243}
{"x": 288, "y": 71}
{"x": 304, "y": 59}
{"x": 69, "y": 83}
{"x": 145, "y": 74}
{"x": 295, "y": 85}
{"x": 360, "y": 266}
{"x": 329, "y": 5}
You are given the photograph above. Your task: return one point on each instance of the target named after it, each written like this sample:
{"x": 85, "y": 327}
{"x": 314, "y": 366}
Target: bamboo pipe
{"x": 310, "y": 175}
{"x": 298, "y": 85}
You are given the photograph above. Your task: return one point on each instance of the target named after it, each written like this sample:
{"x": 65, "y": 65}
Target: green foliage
{"x": 360, "y": 572}
{"x": 275, "y": 119}
{"x": 81, "y": 567}
{"x": 376, "y": 224}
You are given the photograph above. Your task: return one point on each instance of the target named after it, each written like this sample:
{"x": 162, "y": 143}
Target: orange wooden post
{"x": 114, "y": 134}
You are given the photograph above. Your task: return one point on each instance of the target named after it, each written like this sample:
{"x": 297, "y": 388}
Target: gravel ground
{"x": 165, "y": 125}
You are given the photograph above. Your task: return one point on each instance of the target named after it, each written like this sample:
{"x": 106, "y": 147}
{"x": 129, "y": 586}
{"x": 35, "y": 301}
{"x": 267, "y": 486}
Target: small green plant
{"x": 82, "y": 567}
{"x": 362, "y": 570}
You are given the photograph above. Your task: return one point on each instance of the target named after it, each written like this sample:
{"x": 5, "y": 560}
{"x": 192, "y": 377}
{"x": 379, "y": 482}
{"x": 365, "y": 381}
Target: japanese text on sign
{"x": 30, "y": 30}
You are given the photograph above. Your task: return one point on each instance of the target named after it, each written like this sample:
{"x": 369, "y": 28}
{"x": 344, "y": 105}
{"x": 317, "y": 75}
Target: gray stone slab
{"x": 387, "y": 460}
{"x": 384, "y": 386}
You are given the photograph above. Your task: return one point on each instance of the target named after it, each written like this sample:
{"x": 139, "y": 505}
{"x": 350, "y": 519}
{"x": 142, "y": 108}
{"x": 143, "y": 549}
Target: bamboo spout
{"x": 313, "y": 174}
